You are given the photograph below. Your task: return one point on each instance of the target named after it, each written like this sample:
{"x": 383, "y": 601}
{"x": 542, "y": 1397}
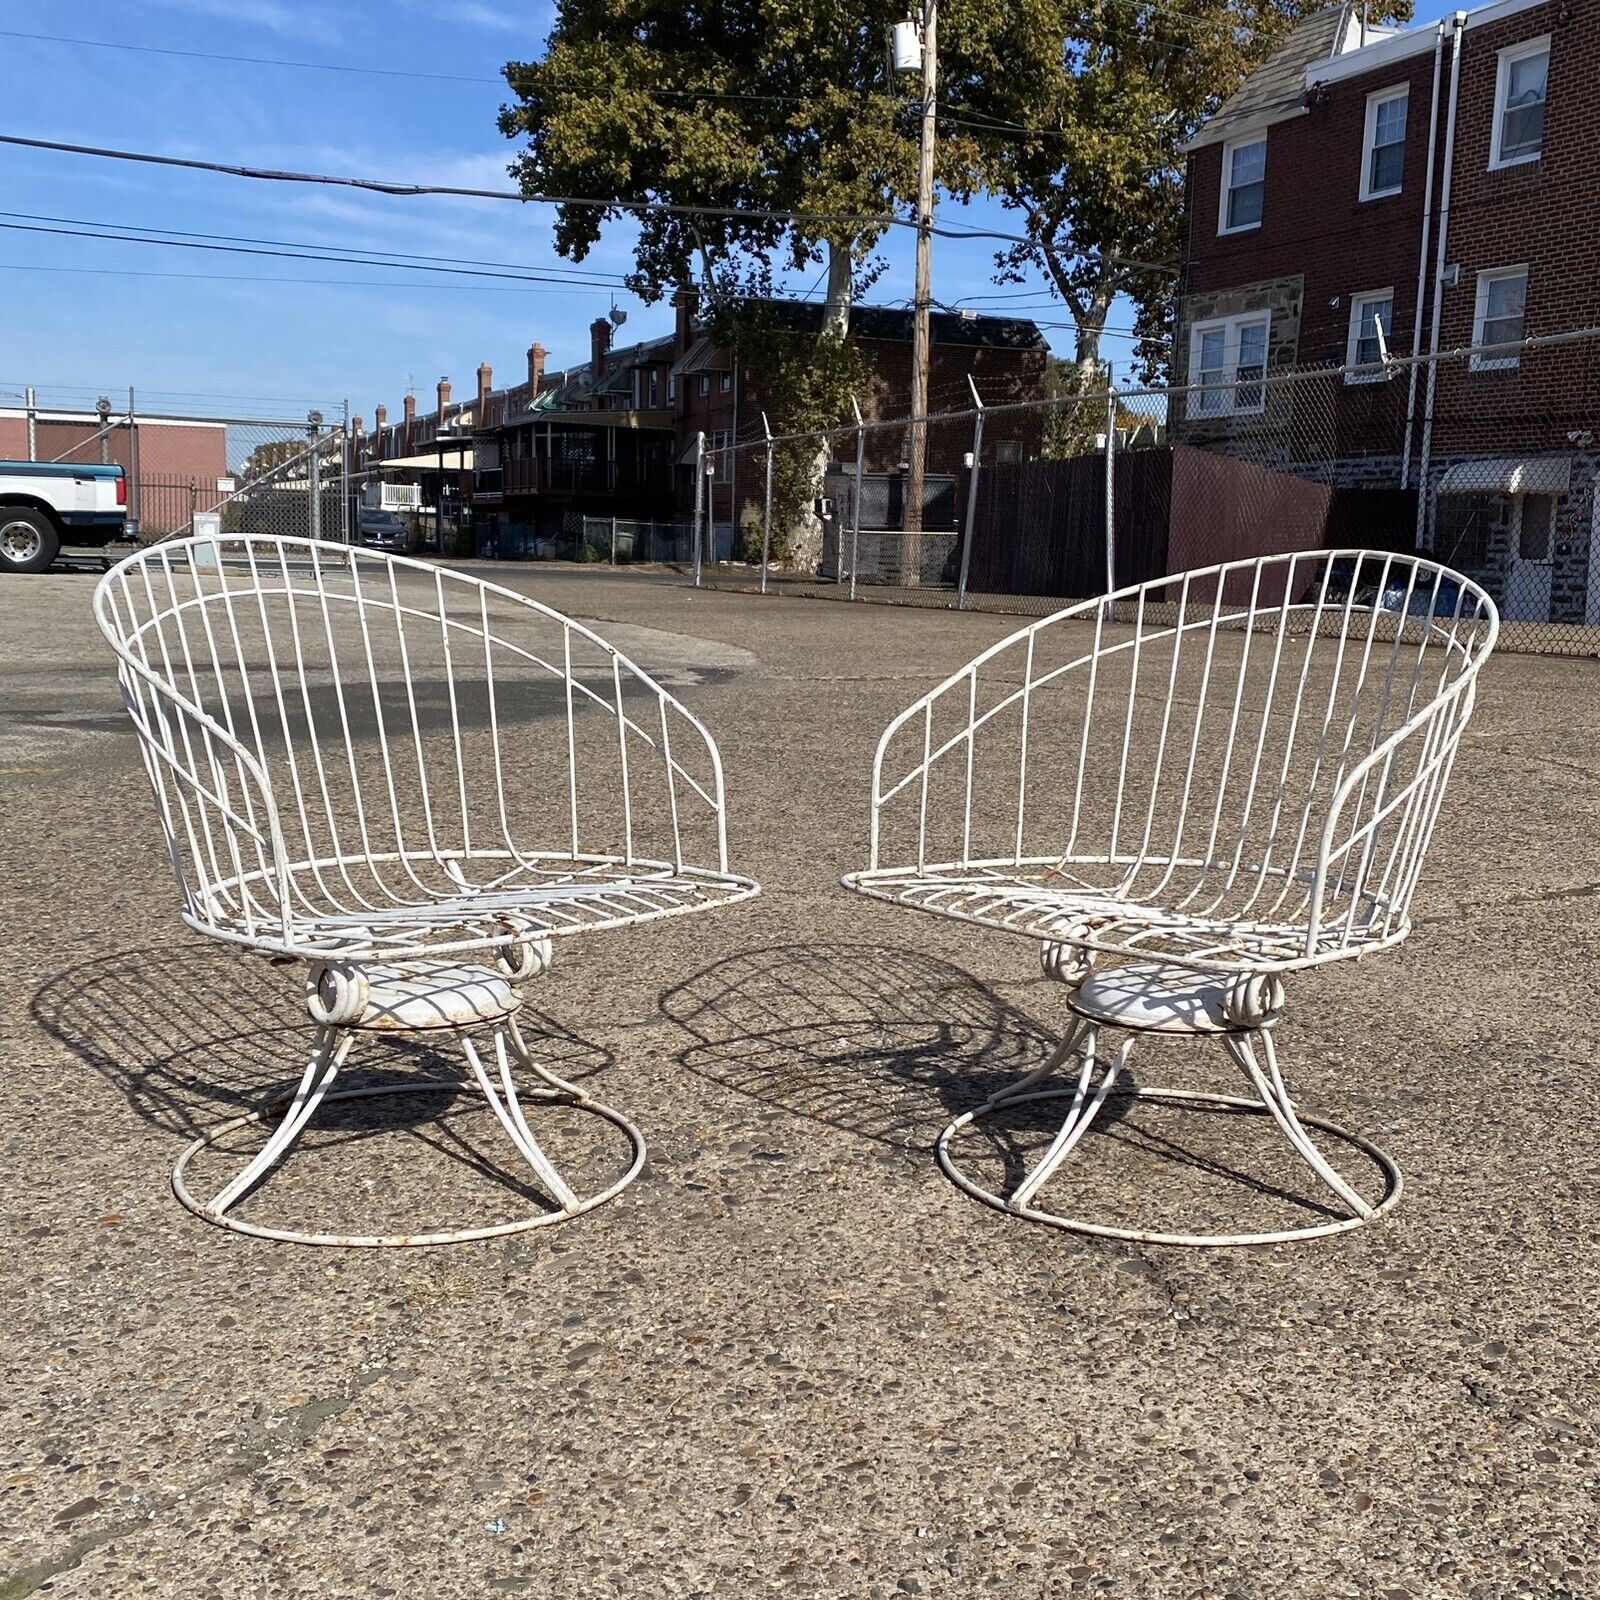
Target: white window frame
{"x": 1375, "y": 100}
{"x": 1502, "y": 88}
{"x": 1242, "y": 143}
{"x": 1480, "y": 311}
{"x": 1230, "y": 327}
{"x": 1358, "y": 304}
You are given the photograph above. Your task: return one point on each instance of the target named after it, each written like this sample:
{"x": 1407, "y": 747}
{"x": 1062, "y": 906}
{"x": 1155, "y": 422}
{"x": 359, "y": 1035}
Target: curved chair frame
{"x": 1210, "y": 780}
{"x": 334, "y": 741}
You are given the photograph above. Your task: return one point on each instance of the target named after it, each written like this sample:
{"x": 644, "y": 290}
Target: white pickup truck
{"x": 46, "y": 504}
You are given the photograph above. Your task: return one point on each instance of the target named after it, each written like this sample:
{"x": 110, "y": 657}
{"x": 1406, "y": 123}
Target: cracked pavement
{"x": 793, "y": 1359}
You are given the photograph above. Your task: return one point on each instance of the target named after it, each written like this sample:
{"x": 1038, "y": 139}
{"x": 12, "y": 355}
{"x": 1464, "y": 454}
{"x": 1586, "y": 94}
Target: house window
{"x": 705, "y": 383}
{"x": 1369, "y": 314}
{"x": 727, "y": 381}
{"x": 1519, "y": 97}
{"x": 1499, "y": 316}
{"x": 1227, "y": 363}
{"x": 1383, "y": 159}
{"x": 672, "y": 387}
{"x": 655, "y": 387}
{"x": 1533, "y": 537}
{"x": 1008, "y": 452}
{"x": 1462, "y": 524}
{"x": 1244, "y": 182}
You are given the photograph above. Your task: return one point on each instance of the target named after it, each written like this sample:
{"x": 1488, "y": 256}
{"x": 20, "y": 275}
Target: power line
{"x": 353, "y": 283}
{"x": 881, "y": 220}
{"x": 500, "y": 80}
{"x": 381, "y": 257}
{"x": 291, "y": 255}
{"x": 252, "y": 61}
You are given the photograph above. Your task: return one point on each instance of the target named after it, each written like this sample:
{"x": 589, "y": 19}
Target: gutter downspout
{"x": 1422, "y": 257}
{"x": 1458, "y": 23}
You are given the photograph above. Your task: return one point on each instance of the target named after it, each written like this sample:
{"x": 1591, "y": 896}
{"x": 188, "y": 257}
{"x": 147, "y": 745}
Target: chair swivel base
{"x": 419, "y": 998}
{"x": 1149, "y": 998}
{"x": 1394, "y": 1182}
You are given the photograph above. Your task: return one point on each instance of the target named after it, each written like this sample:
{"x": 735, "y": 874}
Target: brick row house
{"x": 1415, "y": 191}
{"x": 616, "y": 436}
{"x": 1005, "y": 356}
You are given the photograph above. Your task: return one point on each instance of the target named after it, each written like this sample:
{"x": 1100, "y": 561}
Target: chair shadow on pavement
{"x": 193, "y": 1036}
{"x": 889, "y": 1045}
{"x": 867, "y": 1038}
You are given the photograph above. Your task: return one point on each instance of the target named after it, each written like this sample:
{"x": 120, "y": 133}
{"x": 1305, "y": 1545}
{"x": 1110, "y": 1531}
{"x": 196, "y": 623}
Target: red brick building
{"x": 175, "y": 465}
{"x": 1442, "y": 185}
{"x": 1005, "y": 356}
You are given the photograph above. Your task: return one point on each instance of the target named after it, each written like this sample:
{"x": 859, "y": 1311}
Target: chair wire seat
{"x": 539, "y": 896}
{"x": 1184, "y": 791}
{"x": 1058, "y": 901}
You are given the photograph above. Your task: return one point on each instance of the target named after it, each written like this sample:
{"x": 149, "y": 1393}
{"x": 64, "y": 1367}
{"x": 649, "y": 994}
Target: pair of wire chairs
{"x": 418, "y": 783}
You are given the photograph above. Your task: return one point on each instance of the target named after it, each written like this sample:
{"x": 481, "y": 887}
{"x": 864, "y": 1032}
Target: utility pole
{"x": 912, "y": 519}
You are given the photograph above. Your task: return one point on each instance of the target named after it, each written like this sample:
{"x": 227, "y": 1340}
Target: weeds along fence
{"x": 1487, "y": 459}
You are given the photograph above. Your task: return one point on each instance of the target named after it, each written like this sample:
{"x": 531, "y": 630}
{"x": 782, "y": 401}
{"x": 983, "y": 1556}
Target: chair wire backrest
{"x": 336, "y": 733}
{"x": 1259, "y": 749}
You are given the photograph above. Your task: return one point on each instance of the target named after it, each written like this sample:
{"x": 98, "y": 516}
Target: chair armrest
{"x": 1381, "y": 819}
{"x": 216, "y": 806}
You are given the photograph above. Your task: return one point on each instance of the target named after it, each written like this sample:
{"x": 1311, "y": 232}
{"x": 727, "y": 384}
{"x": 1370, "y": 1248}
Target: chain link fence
{"x": 1487, "y": 459}
{"x": 191, "y": 465}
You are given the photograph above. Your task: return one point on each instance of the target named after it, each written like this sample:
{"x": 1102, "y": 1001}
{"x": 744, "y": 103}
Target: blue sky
{"x": 90, "y": 315}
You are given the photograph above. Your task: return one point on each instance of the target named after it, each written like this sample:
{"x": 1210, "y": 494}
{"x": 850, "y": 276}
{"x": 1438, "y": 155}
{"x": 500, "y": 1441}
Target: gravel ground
{"x": 793, "y": 1359}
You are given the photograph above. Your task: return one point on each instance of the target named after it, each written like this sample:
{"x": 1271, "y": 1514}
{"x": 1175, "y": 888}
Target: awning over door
{"x": 1509, "y": 475}
{"x": 457, "y": 457}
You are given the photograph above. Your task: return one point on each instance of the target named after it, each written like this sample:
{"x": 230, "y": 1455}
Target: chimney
{"x": 687, "y": 304}
{"x": 380, "y": 421}
{"x": 444, "y": 400}
{"x": 485, "y": 384}
{"x": 358, "y": 442}
{"x": 599, "y": 344}
{"x": 536, "y": 355}
{"x": 410, "y": 422}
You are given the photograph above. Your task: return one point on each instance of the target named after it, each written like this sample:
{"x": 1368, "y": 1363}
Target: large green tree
{"x": 748, "y": 106}
{"x": 1074, "y": 112}
{"x": 1087, "y": 151}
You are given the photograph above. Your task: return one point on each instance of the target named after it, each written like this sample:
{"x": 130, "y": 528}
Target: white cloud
{"x": 479, "y": 15}
{"x": 308, "y": 24}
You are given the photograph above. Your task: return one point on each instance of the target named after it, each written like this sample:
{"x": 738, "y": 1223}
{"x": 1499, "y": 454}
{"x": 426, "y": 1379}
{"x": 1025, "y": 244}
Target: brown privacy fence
{"x": 1485, "y": 459}
{"x": 1039, "y": 527}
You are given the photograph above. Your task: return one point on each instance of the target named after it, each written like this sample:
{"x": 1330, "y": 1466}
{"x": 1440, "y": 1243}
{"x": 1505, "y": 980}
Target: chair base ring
{"x": 1394, "y": 1183}
{"x": 399, "y": 1240}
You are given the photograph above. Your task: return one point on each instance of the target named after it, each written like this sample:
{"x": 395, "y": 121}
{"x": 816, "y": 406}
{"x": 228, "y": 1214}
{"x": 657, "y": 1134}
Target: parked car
{"x": 45, "y": 504}
{"x": 382, "y": 530}
{"x": 1446, "y": 599}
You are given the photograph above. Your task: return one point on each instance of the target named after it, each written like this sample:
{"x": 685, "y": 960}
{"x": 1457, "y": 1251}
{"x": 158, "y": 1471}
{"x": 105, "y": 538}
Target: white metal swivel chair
{"x": 1200, "y": 784}
{"x": 353, "y": 756}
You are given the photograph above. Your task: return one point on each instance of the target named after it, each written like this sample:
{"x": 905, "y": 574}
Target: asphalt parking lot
{"x": 793, "y": 1359}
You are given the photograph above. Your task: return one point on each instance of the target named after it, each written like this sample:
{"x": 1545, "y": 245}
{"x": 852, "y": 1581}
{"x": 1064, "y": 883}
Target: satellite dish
{"x": 618, "y": 316}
